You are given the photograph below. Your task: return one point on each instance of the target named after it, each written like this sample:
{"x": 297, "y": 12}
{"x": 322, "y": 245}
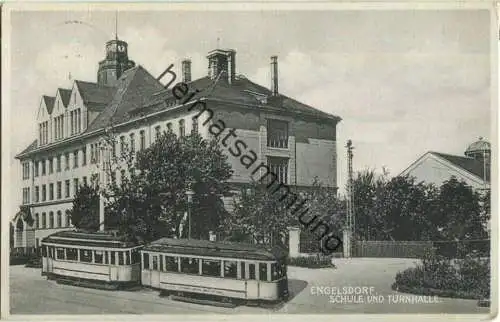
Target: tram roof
{"x": 90, "y": 239}
{"x": 216, "y": 249}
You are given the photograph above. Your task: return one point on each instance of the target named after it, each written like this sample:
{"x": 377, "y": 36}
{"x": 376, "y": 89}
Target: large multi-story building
{"x": 296, "y": 141}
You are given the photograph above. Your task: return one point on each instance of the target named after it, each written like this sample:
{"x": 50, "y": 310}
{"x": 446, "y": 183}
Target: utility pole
{"x": 351, "y": 223}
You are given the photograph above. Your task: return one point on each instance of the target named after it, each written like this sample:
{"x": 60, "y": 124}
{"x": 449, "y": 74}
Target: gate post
{"x": 293, "y": 241}
{"x": 347, "y": 243}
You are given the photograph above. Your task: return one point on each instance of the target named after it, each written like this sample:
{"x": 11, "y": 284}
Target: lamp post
{"x": 189, "y": 194}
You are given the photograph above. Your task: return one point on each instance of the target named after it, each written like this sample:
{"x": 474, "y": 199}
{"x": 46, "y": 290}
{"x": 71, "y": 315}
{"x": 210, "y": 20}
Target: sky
{"x": 404, "y": 82}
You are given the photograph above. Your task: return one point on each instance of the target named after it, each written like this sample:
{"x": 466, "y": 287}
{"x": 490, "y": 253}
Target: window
{"x": 37, "y": 220}
{"x": 36, "y": 169}
{"x": 44, "y": 192}
{"x": 60, "y": 253}
{"x": 127, "y": 258}
{"x": 26, "y": 170}
{"x": 157, "y": 132}
{"x": 44, "y": 220}
{"x": 67, "y": 186}
{"x": 122, "y": 144}
{"x": 68, "y": 218}
{"x": 51, "y": 219}
{"x": 145, "y": 261}
{"x": 26, "y": 195}
{"x": 98, "y": 256}
{"x": 210, "y": 267}
{"x": 243, "y": 276}
{"x": 171, "y": 264}
{"x": 44, "y": 169}
{"x": 58, "y": 163}
{"x": 106, "y": 257}
{"x": 37, "y": 194}
{"x": 279, "y": 166}
{"x": 161, "y": 263}
{"x": 263, "y": 271}
{"x": 72, "y": 254}
{"x": 66, "y": 166}
{"x": 155, "y": 262}
{"x": 194, "y": 129}
{"x": 142, "y": 140}
{"x": 75, "y": 185}
{"x": 51, "y": 166}
{"x": 59, "y": 189}
{"x": 189, "y": 265}
{"x": 84, "y": 179}
{"x": 85, "y": 256}
{"x": 169, "y": 127}
{"x": 59, "y": 219}
{"x": 84, "y": 156}
{"x": 132, "y": 142}
{"x": 230, "y": 269}
{"x": 182, "y": 128}
{"x": 278, "y": 270}
{"x": 75, "y": 159}
{"x": 251, "y": 271}
{"x": 120, "y": 258}
{"x": 277, "y": 134}
{"x": 51, "y": 191}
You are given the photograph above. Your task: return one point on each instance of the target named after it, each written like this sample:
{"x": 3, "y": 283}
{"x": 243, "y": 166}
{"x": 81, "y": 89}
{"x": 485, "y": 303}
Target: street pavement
{"x": 31, "y": 293}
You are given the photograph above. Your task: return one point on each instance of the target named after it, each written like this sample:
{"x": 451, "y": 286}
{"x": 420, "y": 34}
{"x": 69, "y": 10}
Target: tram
{"x": 230, "y": 271}
{"x": 91, "y": 258}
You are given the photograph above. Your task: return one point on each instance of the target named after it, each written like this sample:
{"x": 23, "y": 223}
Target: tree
{"x": 458, "y": 214}
{"x": 151, "y": 201}
{"x": 85, "y": 211}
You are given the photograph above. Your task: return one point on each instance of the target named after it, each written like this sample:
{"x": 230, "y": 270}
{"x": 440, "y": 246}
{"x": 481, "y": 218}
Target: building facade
{"x": 296, "y": 141}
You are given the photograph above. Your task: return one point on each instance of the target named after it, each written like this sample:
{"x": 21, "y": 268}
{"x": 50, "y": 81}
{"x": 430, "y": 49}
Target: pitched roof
{"x": 134, "y": 87}
{"x": 471, "y": 165}
{"x": 95, "y": 96}
{"x": 30, "y": 147}
{"x": 242, "y": 91}
{"x": 49, "y": 102}
{"x": 65, "y": 95}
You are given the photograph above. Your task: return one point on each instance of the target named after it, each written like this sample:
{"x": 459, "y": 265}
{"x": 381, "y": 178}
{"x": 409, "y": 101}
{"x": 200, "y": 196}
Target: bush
{"x": 311, "y": 261}
{"x": 437, "y": 275}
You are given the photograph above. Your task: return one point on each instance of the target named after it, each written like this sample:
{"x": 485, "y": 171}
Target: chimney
{"x": 186, "y": 71}
{"x": 274, "y": 75}
{"x": 222, "y": 61}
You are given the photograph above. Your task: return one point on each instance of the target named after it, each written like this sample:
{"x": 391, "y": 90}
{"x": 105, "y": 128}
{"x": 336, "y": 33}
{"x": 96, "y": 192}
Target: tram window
{"x": 112, "y": 258}
{"x": 85, "y": 256}
{"x": 190, "y": 265}
{"x": 155, "y": 263}
{"x": 172, "y": 264}
{"x": 161, "y": 263}
{"x": 98, "y": 254}
{"x": 127, "y": 258}
{"x": 145, "y": 261}
{"x": 44, "y": 251}
{"x": 243, "y": 276}
{"x": 230, "y": 269}
{"x": 210, "y": 267}
{"x": 263, "y": 271}
{"x": 72, "y": 254}
{"x": 120, "y": 258}
{"x": 106, "y": 258}
{"x": 60, "y": 253}
{"x": 275, "y": 271}
{"x": 251, "y": 271}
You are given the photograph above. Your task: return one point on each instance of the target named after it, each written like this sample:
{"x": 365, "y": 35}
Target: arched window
{"x": 44, "y": 220}
{"x": 51, "y": 219}
{"x": 68, "y": 218}
{"x": 59, "y": 219}
{"x": 19, "y": 225}
{"x": 37, "y": 221}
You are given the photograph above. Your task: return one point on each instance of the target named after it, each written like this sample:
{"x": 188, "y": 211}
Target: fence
{"x": 395, "y": 249}
{"x": 415, "y": 249}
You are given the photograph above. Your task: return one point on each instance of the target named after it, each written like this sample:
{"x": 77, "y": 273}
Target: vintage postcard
{"x": 283, "y": 159}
